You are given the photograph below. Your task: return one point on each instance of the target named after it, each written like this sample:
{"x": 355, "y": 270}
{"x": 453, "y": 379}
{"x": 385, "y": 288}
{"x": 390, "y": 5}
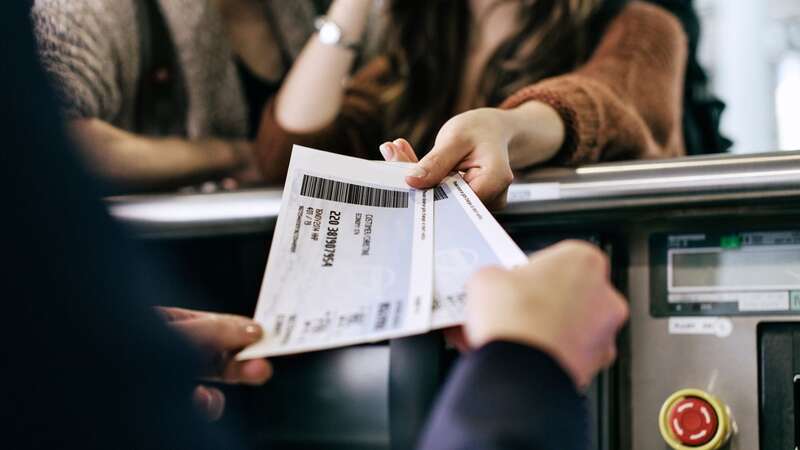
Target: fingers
{"x": 253, "y": 372}
{"x": 444, "y": 158}
{"x": 171, "y": 314}
{"x": 388, "y": 151}
{"x": 490, "y": 187}
{"x": 209, "y": 401}
{"x": 398, "y": 150}
{"x": 219, "y": 332}
{"x": 457, "y": 338}
{"x": 406, "y": 150}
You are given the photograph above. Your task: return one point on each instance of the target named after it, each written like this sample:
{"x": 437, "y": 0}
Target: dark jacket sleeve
{"x": 507, "y": 396}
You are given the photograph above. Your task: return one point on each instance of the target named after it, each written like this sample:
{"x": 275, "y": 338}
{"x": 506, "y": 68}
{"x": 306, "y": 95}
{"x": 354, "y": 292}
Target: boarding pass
{"x": 358, "y": 256}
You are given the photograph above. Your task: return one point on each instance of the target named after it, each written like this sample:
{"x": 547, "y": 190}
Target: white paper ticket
{"x": 351, "y": 259}
{"x": 467, "y": 238}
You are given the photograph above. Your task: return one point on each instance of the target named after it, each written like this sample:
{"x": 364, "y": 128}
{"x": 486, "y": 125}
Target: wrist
{"x": 221, "y": 155}
{"x": 538, "y": 134}
{"x": 551, "y": 347}
{"x": 351, "y": 17}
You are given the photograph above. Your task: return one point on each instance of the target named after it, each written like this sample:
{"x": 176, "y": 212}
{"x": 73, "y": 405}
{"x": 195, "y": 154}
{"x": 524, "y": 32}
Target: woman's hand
{"x": 485, "y": 144}
{"x": 219, "y": 337}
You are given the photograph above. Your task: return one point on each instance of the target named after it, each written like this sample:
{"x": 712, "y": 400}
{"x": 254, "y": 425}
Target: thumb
{"x": 220, "y": 332}
{"x": 445, "y": 157}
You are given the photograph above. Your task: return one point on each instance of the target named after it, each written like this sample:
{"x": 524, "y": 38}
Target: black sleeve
{"x": 86, "y": 362}
{"x": 507, "y": 396}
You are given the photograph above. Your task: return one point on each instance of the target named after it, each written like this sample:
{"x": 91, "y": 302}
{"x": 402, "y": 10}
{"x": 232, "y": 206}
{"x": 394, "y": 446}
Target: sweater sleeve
{"x": 356, "y": 131}
{"x": 77, "y": 45}
{"x": 626, "y": 101}
{"x": 507, "y": 396}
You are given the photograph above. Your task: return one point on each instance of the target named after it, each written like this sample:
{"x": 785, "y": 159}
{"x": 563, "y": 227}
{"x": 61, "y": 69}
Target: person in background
{"x": 165, "y": 93}
{"x": 486, "y": 87}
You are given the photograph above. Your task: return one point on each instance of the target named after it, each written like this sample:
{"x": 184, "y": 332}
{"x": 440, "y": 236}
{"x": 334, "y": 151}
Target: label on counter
{"x": 714, "y": 326}
{"x": 534, "y": 192}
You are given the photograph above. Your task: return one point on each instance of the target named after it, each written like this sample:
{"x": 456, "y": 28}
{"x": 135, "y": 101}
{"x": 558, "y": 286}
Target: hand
{"x": 561, "y": 302}
{"x": 247, "y": 172}
{"x": 219, "y": 337}
{"x": 476, "y": 143}
{"x": 480, "y": 143}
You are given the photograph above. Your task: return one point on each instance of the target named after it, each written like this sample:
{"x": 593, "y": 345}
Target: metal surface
{"x": 654, "y": 184}
{"x": 662, "y": 363}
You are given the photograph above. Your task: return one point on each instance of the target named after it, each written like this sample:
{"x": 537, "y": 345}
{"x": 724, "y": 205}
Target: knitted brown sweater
{"x": 624, "y": 103}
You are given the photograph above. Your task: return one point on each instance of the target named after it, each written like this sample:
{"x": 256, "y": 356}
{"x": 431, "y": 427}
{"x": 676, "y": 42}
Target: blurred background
{"x": 751, "y": 50}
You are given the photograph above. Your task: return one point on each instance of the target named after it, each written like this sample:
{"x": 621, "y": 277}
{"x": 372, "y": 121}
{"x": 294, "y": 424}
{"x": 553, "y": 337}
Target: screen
{"x": 721, "y": 273}
{"x": 751, "y": 268}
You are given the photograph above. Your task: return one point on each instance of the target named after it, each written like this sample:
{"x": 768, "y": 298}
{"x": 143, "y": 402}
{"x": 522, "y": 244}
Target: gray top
{"x": 91, "y": 49}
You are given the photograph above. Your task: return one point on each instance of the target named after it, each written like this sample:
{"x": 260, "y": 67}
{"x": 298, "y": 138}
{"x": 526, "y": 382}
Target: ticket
{"x": 467, "y": 238}
{"x": 351, "y": 259}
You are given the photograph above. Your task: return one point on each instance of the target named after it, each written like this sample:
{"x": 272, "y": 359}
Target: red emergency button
{"x": 693, "y": 421}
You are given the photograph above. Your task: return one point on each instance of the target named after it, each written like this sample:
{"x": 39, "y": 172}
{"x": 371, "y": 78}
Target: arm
{"x": 141, "y": 162}
{"x": 319, "y": 72}
{"x": 356, "y": 130}
{"x": 314, "y": 106}
{"x": 626, "y": 101}
{"x": 81, "y": 44}
{"x": 483, "y": 143}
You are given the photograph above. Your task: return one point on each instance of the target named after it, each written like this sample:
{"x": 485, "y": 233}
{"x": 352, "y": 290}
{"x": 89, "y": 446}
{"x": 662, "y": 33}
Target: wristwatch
{"x": 330, "y": 33}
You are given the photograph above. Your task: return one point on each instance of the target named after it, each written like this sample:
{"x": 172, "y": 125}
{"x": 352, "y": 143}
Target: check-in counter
{"x": 707, "y": 249}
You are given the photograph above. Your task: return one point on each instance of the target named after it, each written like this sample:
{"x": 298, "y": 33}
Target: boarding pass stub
{"x": 351, "y": 259}
{"x": 468, "y": 238}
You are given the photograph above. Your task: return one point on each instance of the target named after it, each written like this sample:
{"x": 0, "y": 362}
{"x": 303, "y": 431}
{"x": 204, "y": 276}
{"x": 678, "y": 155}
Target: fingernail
{"x": 386, "y": 151}
{"x": 417, "y": 172}
{"x": 252, "y": 330}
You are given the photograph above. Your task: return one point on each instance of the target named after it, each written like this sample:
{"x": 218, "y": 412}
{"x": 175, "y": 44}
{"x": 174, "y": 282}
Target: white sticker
{"x": 764, "y": 301}
{"x": 714, "y": 326}
{"x": 534, "y": 191}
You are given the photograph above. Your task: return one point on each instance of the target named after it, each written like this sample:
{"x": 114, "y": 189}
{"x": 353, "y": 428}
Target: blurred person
{"x": 93, "y": 367}
{"x": 90, "y": 363}
{"x": 486, "y": 87}
{"x": 164, "y": 93}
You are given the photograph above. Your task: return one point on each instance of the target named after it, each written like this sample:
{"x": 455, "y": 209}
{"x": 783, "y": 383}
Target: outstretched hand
{"x": 474, "y": 143}
{"x": 485, "y": 144}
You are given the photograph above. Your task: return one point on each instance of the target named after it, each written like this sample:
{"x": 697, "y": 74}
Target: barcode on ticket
{"x": 439, "y": 193}
{"x": 355, "y": 194}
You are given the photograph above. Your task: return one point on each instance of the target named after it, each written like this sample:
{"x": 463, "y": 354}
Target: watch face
{"x": 329, "y": 33}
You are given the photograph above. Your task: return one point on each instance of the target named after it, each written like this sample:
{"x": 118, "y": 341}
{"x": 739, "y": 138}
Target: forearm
{"x": 536, "y": 133}
{"x": 625, "y": 102}
{"x": 138, "y": 162}
{"x": 311, "y": 95}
